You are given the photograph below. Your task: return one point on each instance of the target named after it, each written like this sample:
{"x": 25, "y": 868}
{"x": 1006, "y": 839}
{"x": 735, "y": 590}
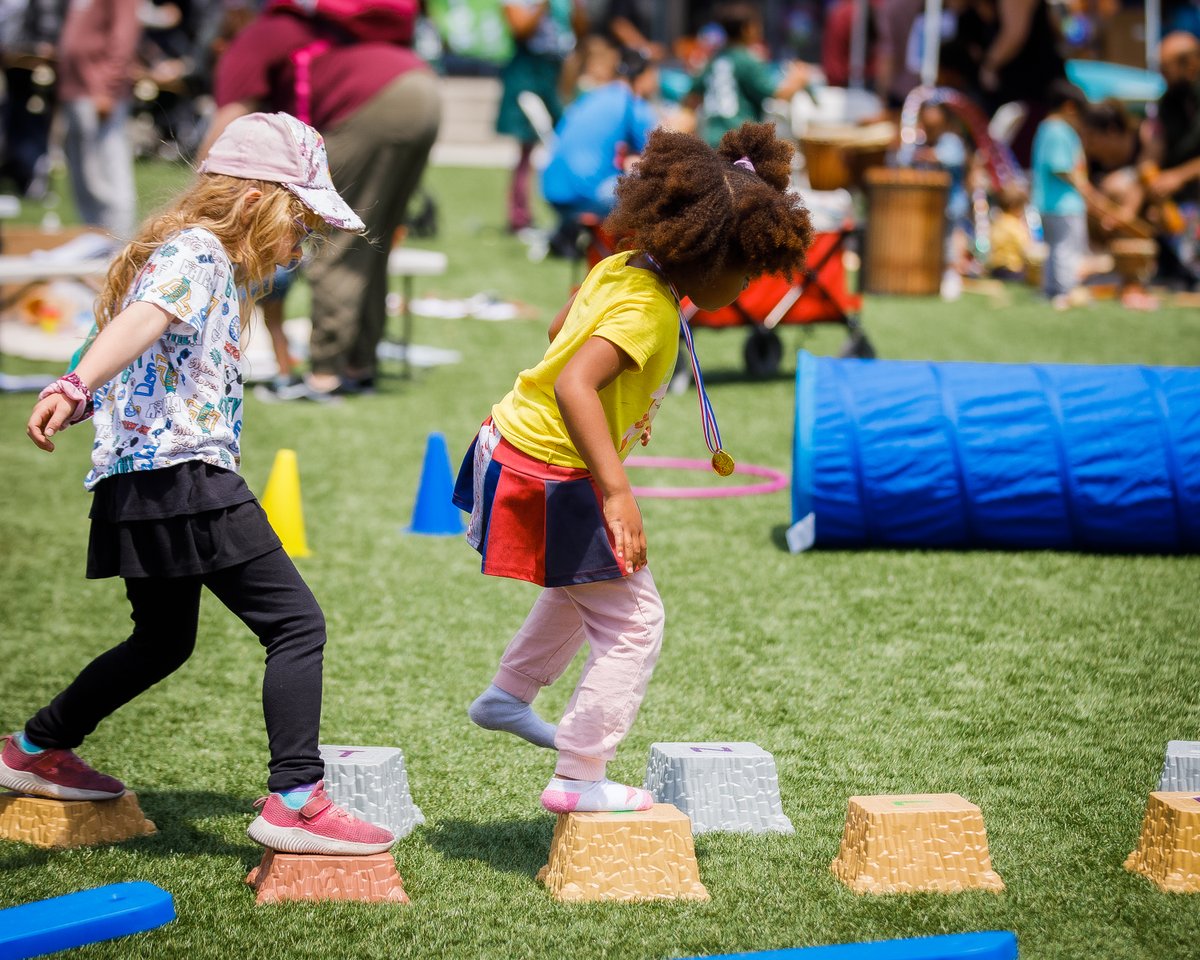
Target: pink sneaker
{"x": 592, "y": 796}
{"x": 320, "y": 826}
{"x": 58, "y": 774}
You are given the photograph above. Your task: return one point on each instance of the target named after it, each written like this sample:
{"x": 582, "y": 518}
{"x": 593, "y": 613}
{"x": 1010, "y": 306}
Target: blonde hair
{"x": 251, "y": 232}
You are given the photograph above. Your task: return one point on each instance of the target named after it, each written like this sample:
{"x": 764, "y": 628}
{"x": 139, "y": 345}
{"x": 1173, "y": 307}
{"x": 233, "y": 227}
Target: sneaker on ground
{"x": 57, "y": 774}
{"x": 592, "y": 796}
{"x": 320, "y": 827}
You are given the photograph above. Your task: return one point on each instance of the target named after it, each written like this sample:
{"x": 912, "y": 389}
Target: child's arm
{"x": 523, "y": 20}
{"x": 127, "y": 337}
{"x": 1101, "y": 207}
{"x": 560, "y": 318}
{"x": 595, "y": 365}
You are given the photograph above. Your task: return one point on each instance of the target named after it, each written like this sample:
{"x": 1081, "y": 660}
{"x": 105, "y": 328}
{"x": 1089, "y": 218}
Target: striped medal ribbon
{"x": 722, "y": 462}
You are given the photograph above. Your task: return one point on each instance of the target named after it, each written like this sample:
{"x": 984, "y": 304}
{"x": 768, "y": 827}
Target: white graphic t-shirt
{"x": 182, "y": 399}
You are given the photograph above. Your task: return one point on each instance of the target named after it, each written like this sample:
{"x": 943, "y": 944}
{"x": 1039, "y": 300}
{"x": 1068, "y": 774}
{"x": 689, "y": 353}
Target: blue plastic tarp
{"x": 988, "y": 945}
{"x": 1009, "y": 456}
{"x": 102, "y": 913}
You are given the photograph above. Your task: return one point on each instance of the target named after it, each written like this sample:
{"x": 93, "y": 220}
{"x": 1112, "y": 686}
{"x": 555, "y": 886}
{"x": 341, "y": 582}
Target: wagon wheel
{"x": 858, "y": 346}
{"x": 763, "y": 351}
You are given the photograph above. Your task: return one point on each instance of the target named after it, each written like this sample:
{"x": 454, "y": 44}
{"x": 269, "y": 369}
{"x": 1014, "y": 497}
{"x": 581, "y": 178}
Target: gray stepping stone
{"x": 1181, "y": 768}
{"x": 372, "y": 784}
{"x": 730, "y": 787}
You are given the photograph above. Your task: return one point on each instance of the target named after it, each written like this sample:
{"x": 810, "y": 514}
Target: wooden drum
{"x": 1134, "y": 259}
{"x": 906, "y": 223}
{"x": 825, "y": 159}
{"x": 837, "y": 156}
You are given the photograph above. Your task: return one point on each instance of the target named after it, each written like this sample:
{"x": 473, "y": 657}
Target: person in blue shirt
{"x": 1061, "y": 191}
{"x": 600, "y": 134}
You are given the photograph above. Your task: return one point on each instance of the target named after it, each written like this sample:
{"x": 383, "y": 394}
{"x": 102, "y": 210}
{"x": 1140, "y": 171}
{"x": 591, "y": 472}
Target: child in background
{"x": 943, "y": 149}
{"x": 1061, "y": 191}
{"x": 543, "y": 32}
{"x": 1012, "y": 243}
{"x": 170, "y": 514}
{"x": 544, "y": 479}
{"x": 733, "y": 86}
{"x": 600, "y": 136}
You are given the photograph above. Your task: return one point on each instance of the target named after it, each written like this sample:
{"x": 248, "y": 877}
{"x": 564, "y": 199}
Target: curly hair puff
{"x": 698, "y": 213}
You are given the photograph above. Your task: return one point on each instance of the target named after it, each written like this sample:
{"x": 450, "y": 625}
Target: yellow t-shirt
{"x": 631, "y": 308}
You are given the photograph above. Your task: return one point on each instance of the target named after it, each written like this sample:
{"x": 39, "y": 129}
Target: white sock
{"x": 580, "y": 796}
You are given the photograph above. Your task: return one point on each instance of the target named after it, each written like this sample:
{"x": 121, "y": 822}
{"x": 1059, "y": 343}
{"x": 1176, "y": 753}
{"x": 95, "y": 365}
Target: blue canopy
{"x": 1099, "y": 80}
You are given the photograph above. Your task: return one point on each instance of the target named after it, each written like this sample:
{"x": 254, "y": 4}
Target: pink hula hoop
{"x": 775, "y": 480}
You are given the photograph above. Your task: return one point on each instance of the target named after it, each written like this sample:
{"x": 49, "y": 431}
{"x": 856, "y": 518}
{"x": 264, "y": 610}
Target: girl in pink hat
{"x": 162, "y": 383}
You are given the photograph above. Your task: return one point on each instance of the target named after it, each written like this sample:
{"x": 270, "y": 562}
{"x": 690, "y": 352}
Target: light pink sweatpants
{"x": 622, "y": 621}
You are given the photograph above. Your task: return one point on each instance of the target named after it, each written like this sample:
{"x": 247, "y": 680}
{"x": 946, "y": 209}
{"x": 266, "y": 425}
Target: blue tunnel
{"x": 915, "y": 454}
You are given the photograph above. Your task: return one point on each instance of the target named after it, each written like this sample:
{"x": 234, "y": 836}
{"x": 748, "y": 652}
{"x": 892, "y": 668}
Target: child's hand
{"x": 624, "y": 519}
{"x": 49, "y": 416}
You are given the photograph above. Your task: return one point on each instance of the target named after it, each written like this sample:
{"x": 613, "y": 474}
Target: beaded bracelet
{"x": 71, "y": 387}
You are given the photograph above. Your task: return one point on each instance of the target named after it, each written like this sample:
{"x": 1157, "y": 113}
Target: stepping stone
{"x": 909, "y": 843}
{"x": 89, "y": 916}
{"x": 372, "y": 784}
{"x": 730, "y": 787}
{"x": 988, "y": 945}
{"x": 71, "y": 823}
{"x": 1181, "y": 768}
{"x": 645, "y": 855}
{"x": 1168, "y": 851}
{"x": 293, "y": 876}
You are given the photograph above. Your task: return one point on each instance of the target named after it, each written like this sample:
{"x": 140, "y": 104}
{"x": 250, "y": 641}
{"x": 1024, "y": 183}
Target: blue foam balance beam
{"x": 104, "y": 913}
{"x": 989, "y": 945}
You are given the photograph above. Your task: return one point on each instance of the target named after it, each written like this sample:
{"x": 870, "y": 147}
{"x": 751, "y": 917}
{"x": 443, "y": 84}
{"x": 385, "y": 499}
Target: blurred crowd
{"x": 1118, "y": 161}
{"x": 588, "y": 80}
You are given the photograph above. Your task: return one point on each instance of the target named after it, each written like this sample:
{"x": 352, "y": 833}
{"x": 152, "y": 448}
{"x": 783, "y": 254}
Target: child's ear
{"x": 252, "y": 196}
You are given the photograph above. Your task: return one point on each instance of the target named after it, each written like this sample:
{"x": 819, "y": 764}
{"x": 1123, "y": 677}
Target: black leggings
{"x": 269, "y": 596}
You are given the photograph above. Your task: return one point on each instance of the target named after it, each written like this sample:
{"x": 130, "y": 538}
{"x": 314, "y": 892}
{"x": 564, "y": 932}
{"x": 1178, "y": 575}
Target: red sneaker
{"x": 53, "y": 773}
{"x": 320, "y": 826}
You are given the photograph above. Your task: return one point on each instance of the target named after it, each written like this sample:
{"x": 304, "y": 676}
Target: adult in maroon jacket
{"x": 378, "y": 108}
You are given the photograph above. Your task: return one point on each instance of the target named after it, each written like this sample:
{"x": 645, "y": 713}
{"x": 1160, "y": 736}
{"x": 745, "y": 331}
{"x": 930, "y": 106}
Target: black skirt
{"x": 181, "y": 521}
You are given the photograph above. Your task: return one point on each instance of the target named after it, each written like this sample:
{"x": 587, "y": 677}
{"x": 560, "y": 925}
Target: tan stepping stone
{"x": 292, "y": 876}
{"x": 910, "y": 843}
{"x": 1168, "y": 852}
{"x": 59, "y": 824}
{"x": 645, "y": 855}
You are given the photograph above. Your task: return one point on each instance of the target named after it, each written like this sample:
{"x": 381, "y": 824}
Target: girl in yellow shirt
{"x": 544, "y": 480}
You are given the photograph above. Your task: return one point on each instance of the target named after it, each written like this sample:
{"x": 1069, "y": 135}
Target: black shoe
{"x": 355, "y": 387}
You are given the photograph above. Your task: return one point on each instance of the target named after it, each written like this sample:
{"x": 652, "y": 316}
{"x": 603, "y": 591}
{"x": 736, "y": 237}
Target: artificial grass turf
{"x": 1041, "y": 686}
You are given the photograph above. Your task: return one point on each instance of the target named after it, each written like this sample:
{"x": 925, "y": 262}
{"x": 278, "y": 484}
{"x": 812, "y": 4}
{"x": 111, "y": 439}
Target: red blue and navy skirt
{"x": 530, "y": 520}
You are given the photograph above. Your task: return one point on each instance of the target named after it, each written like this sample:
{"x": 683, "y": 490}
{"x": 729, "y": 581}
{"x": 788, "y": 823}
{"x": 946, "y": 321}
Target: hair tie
{"x": 746, "y": 163}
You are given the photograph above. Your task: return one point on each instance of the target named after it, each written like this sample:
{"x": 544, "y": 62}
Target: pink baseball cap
{"x": 279, "y": 148}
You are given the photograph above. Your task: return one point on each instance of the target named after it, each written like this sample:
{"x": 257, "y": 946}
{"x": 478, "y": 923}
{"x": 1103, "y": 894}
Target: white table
{"x": 403, "y": 262}
{"x": 406, "y": 263}
{"x": 22, "y": 273}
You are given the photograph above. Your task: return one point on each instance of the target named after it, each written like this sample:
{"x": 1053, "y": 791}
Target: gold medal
{"x": 722, "y": 463}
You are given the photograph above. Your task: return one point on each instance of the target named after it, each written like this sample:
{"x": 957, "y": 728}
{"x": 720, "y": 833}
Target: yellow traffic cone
{"x": 282, "y": 504}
